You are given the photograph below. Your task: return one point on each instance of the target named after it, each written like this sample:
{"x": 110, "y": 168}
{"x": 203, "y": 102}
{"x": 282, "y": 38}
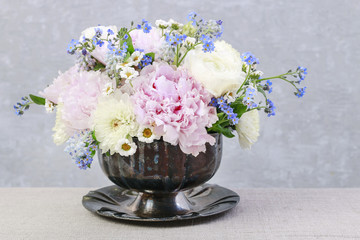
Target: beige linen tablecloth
{"x": 57, "y": 213}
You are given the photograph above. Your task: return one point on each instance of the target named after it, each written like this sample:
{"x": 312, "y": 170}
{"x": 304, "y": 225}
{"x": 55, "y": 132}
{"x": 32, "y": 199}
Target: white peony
{"x": 113, "y": 120}
{"x": 219, "y": 71}
{"x": 100, "y": 52}
{"x": 248, "y": 128}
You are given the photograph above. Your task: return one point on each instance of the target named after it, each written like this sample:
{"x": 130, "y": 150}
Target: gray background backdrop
{"x": 311, "y": 142}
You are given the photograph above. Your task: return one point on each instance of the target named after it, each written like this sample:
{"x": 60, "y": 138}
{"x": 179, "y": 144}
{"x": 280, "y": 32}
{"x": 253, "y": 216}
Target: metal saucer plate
{"x": 205, "y": 200}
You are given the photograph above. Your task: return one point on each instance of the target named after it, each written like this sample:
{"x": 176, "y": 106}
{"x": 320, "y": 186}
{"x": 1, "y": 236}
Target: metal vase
{"x": 160, "y": 172}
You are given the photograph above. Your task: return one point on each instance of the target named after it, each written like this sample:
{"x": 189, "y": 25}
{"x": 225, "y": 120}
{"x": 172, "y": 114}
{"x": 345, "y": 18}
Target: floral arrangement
{"x": 173, "y": 81}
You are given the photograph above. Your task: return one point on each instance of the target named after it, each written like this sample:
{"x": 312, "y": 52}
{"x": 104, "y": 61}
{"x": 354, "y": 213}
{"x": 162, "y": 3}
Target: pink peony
{"x": 149, "y": 42}
{"x": 79, "y": 92}
{"x": 60, "y": 85}
{"x": 175, "y": 105}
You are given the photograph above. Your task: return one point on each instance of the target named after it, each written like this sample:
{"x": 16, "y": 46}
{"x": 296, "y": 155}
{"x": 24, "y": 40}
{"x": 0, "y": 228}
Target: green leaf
{"x": 98, "y": 66}
{"x": 244, "y": 68}
{"x": 37, "y": 100}
{"x": 239, "y": 107}
{"x": 226, "y": 131}
{"x": 93, "y": 135}
{"x": 151, "y": 54}
{"x": 130, "y": 45}
{"x": 126, "y": 57}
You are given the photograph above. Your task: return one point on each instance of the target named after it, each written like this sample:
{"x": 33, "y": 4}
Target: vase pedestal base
{"x": 119, "y": 203}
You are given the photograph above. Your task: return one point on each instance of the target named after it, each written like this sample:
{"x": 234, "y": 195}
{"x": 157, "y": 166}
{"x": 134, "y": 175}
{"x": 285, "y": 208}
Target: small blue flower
{"x": 110, "y": 32}
{"x": 270, "y": 110}
{"x": 234, "y": 119}
{"x": 302, "y": 72}
{"x": 22, "y": 106}
{"x": 145, "y": 61}
{"x": 219, "y": 22}
{"x": 83, "y": 52}
{"x": 126, "y": 36}
{"x": 80, "y": 147}
{"x": 147, "y": 27}
{"x": 249, "y": 58}
{"x": 138, "y": 26}
{"x": 98, "y": 32}
{"x": 208, "y": 46}
{"x": 72, "y": 46}
{"x": 205, "y": 38}
{"x": 300, "y": 93}
{"x": 191, "y": 17}
{"x": 213, "y": 102}
{"x": 267, "y": 86}
{"x": 170, "y": 39}
{"x": 100, "y": 43}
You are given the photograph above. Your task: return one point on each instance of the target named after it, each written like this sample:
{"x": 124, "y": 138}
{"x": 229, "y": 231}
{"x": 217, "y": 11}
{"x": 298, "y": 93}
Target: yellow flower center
{"x": 136, "y": 58}
{"x": 115, "y": 123}
{"x": 125, "y": 147}
{"x": 128, "y": 74}
{"x": 147, "y": 132}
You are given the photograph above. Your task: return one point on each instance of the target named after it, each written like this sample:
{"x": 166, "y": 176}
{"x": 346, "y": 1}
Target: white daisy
{"x": 49, "y": 106}
{"x": 248, "y": 128}
{"x": 108, "y": 89}
{"x": 125, "y": 147}
{"x": 190, "y": 41}
{"x": 161, "y": 23}
{"x": 128, "y": 73}
{"x": 114, "y": 119}
{"x": 136, "y": 57}
{"x": 231, "y": 96}
{"x": 146, "y": 134}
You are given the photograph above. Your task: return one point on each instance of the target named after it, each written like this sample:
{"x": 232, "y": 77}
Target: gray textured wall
{"x": 312, "y": 142}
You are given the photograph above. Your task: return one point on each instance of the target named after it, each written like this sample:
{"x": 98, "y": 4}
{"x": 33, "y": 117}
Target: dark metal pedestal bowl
{"x": 153, "y": 181}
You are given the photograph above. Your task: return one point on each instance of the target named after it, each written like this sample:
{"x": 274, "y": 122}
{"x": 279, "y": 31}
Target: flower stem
{"x": 247, "y": 76}
{"x": 193, "y": 47}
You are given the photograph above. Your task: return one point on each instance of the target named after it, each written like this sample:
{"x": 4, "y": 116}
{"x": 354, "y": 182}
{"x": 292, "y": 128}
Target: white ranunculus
{"x": 219, "y": 71}
{"x": 99, "y": 52}
{"x": 248, "y": 128}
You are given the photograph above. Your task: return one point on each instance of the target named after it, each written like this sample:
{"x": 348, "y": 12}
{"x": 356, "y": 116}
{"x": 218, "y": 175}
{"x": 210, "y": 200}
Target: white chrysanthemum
{"x": 125, "y": 147}
{"x": 128, "y": 73}
{"x": 49, "y": 106}
{"x": 248, "y": 128}
{"x": 146, "y": 134}
{"x": 114, "y": 119}
{"x": 108, "y": 89}
{"x": 60, "y": 134}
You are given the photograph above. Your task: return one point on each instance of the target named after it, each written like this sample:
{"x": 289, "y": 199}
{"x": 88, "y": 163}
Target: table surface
{"x": 57, "y": 213}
